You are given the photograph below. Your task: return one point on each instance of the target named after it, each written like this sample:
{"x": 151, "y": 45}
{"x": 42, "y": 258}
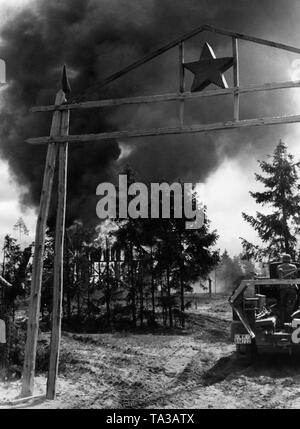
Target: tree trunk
{"x": 4, "y": 258}
{"x": 141, "y": 302}
{"x": 68, "y": 283}
{"x": 285, "y": 224}
{"x": 76, "y": 282}
{"x": 182, "y": 306}
{"x": 152, "y": 290}
{"x": 169, "y": 298}
{"x": 163, "y": 304}
{"x": 68, "y": 290}
{"x": 133, "y": 303}
{"x": 182, "y": 301}
{"x": 107, "y": 294}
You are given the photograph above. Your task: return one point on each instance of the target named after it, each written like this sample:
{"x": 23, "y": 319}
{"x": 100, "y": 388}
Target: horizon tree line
{"x": 139, "y": 271}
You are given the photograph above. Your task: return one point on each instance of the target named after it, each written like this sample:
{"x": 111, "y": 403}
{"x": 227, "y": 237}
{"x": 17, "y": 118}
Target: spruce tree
{"x": 277, "y": 230}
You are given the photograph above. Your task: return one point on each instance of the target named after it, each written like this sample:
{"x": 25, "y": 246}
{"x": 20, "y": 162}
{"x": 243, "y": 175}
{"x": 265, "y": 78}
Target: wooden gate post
{"x": 59, "y": 252}
{"x": 37, "y": 267}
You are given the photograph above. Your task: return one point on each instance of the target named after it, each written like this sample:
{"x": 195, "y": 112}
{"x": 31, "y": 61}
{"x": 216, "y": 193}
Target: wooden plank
{"x": 5, "y": 283}
{"x": 37, "y": 266}
{"x": 168, "y": 131}
{"x": 248, "y": 38}
{"x": 19, "y": 401}
{"x": 240, "y": 289}
{"x": 168, "y": 97}
{"x": 271, "y": 282}
{"x": 58, "y": 260}
{"x": 244, "y": 320}
{"x": 236, "y": 79}
{"x": 176, "y": 42}
{"x": 181, "y": 82}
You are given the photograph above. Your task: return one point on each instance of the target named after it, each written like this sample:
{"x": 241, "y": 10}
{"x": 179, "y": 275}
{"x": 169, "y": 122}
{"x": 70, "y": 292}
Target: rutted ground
{"x": 195, "y": 368}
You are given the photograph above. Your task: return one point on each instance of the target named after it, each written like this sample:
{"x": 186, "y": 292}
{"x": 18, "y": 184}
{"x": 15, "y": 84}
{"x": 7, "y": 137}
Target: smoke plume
{"x": 95, "y": 38}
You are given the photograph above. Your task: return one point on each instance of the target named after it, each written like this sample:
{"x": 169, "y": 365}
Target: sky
{"x": 10, "y": 209}
{"x": 228, "y": 180}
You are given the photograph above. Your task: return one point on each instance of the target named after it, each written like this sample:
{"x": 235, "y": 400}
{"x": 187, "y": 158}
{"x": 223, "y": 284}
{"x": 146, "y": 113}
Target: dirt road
{"x": 195, "y": 368}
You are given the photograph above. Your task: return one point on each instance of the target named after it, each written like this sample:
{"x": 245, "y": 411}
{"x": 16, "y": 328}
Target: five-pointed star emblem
{"x": 209, "y": 69}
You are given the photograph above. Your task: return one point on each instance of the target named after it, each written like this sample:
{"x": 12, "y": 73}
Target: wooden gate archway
{"x": 58, "y": 145}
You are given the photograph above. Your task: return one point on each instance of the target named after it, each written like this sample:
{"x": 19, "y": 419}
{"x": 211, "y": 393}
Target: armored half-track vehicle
{"x": 266, "y": 313}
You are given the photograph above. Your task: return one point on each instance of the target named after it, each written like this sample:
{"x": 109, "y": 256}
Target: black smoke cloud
{"x": 97, "y": 38}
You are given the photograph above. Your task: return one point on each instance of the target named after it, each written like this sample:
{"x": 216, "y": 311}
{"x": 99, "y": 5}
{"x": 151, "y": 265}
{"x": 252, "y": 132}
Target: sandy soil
{"x": 195, "y": 368}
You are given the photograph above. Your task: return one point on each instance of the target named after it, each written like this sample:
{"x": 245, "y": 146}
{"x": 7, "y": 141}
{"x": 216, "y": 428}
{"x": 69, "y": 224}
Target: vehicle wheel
{"x": 246, "y": 352}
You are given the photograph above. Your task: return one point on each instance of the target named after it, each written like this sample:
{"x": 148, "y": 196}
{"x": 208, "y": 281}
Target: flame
{"x": 105, "y": 231}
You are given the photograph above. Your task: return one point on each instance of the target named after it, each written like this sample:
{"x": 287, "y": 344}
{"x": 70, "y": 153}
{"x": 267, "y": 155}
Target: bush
{"x": 17, "y": 343}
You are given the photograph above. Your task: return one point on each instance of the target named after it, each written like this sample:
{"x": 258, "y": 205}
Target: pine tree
{"x": 177, "y": 258}
{"x": 21, "y": 228}
{"x": 278, "y": 229}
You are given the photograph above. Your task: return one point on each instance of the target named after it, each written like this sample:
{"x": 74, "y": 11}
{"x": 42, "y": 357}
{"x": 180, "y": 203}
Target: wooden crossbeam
{"x": 275, "y": 282}
{"x": 167, "y": 131}
{"x": 168, "y": 97}
{"x": 236, "y": 79}
{"x": 252, "y": 39}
